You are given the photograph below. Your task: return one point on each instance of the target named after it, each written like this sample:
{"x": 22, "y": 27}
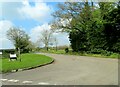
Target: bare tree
{"x": 46, "y": 36}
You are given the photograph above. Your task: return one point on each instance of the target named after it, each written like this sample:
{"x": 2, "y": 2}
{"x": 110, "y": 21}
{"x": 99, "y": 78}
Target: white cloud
{"x": 4, "y": 26}
{"x": 40, "y": 11}
{"x": 25, "y": 2}
{"x": 61, "y": 37}
{"x": 35, "y": 32}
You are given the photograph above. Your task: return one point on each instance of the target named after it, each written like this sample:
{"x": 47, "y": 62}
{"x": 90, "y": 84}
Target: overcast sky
{"x": 32, "y": 17}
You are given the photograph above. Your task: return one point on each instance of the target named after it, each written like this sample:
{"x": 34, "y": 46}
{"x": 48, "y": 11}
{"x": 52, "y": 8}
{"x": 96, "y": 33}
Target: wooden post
{"x": 19, "y": 54}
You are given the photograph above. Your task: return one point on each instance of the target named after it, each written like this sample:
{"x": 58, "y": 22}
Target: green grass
{"x": 28, "y": 60}
{"x": 113, "y": 55}
{"x": 54, "y": 51}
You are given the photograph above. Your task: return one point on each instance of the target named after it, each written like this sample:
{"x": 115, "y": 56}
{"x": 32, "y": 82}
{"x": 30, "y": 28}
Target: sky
{"x": 32, "y": 17}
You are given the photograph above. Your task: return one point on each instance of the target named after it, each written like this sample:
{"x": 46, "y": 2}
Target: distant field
{"x": 28, "y": 60}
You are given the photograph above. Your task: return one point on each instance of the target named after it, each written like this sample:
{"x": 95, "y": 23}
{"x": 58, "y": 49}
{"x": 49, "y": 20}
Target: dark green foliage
{"x": 112, "y": 30}
{"x": 66, "y": 50}
{"x": 100, "y": 51}
{"x": 92, "y": 29}
{"x": 78, "y": 41}
{"x": 6, "y": 53}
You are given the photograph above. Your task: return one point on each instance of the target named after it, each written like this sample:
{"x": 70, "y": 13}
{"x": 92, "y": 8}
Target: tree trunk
{"x": 56, "y": 47}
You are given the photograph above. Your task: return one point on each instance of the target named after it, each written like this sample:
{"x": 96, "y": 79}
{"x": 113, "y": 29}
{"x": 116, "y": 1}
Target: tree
{"x": 46, "y": 36}
{"x": 19, "y": 38}
{"x": 112, "y": 29}
{"x": 89, "y": 26}
{"x": 77, "y": 15}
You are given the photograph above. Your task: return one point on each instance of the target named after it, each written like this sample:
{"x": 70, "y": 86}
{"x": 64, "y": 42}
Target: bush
{"x": 6, "y": 53}
{"x": 100, "y": 51}
{"x": 66, "y": 50}
{"x": 96, "y": 51}
{"x": 106, "y": 53}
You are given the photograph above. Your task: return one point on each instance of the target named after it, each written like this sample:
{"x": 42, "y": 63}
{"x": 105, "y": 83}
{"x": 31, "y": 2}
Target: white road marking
{"x": 27, "y": 82}
{"x": 13, "y": 80}
{"x": 16, "y": 81}
{"x": 3, "y": 79}
{"x": 43, "y": 83}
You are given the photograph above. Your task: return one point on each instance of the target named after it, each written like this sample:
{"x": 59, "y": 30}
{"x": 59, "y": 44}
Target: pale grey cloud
{"x": 4, "y": 26}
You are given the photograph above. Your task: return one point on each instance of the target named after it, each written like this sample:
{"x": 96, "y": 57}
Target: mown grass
{"x": 27, "y": 61}
{"x": 113, "y": 55}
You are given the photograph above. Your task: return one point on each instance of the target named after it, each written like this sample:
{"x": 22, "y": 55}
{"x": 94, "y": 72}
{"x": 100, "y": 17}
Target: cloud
{"x": 4, "y": 26}
{"x": 62, "y": 37}
{"x": 36, "y": 31}
{"x": 5, "y": 44}
{"x": 39, "y": 11}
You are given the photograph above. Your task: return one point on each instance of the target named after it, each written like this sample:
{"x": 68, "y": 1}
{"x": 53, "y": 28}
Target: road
{"x": 68, "y": 70}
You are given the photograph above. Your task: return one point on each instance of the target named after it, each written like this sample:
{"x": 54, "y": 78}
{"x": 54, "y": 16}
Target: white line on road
{"x": 3, "y": 79}
{"x": 43, "y": 83}
{"x": 27, "y": 82}
{"x": 13, "y": 80}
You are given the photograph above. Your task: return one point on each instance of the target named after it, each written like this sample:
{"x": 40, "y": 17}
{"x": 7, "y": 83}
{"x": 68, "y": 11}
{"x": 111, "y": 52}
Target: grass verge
{"x": 113, "y": 55}
{"x": 27, "y": 61}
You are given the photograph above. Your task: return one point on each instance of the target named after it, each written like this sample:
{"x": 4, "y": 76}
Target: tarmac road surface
{"x": 68, "y": 70}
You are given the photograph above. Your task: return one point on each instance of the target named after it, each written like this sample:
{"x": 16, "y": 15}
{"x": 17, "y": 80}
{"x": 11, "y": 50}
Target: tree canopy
{"x": 19, "y": 38}
{"x": 90, "y": 25}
